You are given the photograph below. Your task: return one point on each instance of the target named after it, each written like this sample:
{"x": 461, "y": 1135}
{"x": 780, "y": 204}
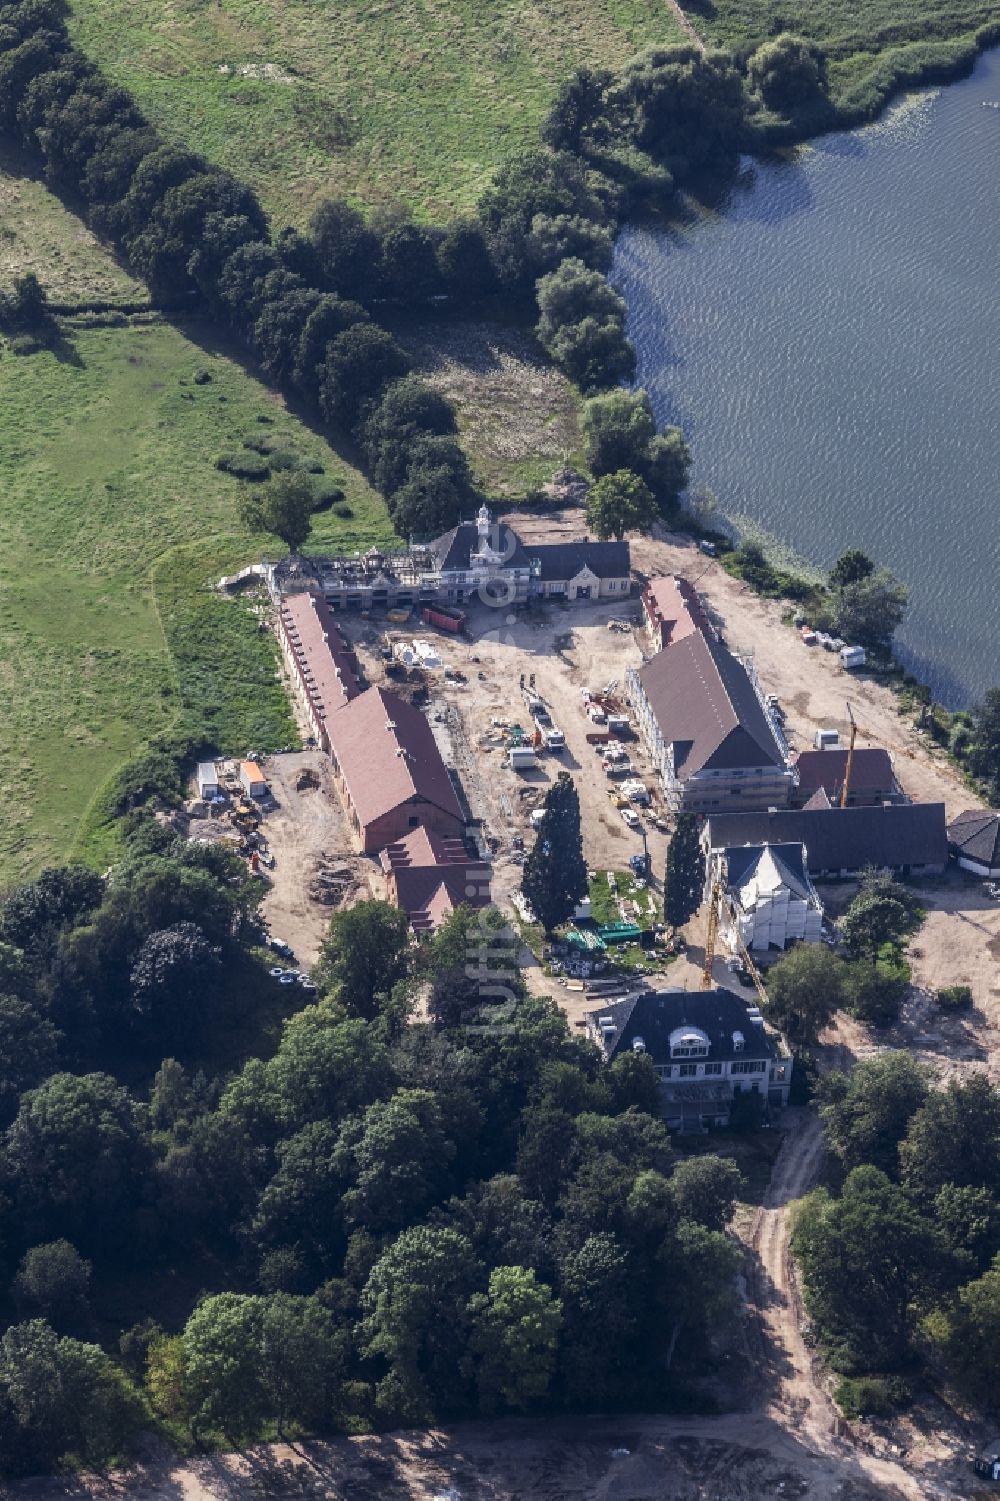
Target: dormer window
{"x": 688, "y": 1042}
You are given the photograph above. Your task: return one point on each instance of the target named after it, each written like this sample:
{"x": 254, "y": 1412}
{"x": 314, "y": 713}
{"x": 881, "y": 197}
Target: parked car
{"x": 630, "y": 818}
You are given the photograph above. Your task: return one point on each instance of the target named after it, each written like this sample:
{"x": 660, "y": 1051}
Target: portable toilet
{"x": 208, "y": 780}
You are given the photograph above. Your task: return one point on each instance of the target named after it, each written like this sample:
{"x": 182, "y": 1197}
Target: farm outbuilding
{"x": 207, "y": 779}
{"x": 253, "y": 780}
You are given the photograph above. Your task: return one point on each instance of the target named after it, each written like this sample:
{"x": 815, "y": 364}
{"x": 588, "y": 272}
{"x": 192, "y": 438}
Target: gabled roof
{"x": 428, "y": 871}
{"x": 707, "y": 708}
{"x": 653, "y": 1016}
{"x": 673, "y": 605}
{"x": 871, "y": 770}
{"x": 755, "y": 872}
{"x": 387, "y": 755}
{"x": 325, "y": 659}
{"x": 819, "y": 799}
{"x": 888, "y": 834}
{"x": 558, "y": 561}
{"x": 976, "y": 835}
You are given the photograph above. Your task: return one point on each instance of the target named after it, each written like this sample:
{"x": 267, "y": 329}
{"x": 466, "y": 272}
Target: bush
{"x": 327, "y": 496}
{"x": 241, "y": 466}
{"x": 954, "y": 998}
{"x": 871, "y": 1396}
{"x": 284, "y": 458}
{"x": 344, "y": 512}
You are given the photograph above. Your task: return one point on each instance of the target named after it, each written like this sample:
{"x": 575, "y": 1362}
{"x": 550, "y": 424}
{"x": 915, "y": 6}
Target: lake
{"x": 829, "y": 340}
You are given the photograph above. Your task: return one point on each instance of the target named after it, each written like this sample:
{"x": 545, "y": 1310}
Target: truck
{"x": 553, "y": 738}
{"x": 520, "y": 757}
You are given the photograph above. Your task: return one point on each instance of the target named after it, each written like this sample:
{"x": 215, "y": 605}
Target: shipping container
{"x": 444, "y": 617}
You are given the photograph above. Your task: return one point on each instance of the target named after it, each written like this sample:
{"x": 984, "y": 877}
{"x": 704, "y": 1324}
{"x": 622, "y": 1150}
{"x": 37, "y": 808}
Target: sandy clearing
{"x": 302, "y": 828}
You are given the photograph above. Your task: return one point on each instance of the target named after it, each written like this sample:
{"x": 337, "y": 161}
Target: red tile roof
{"x": 431, "y": 873}
{"x": 672, "y": 604}
{"x": 324, "y": 658}
{"x": 387, "y": 755}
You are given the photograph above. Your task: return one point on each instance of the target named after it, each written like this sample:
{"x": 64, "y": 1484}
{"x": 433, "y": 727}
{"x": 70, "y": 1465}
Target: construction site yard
{"x": 557, "y": 652}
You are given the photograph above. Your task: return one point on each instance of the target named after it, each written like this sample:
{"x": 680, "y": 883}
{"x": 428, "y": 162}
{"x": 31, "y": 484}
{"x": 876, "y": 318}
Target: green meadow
{"x": 114, "y": 521}
{"x": 383, "y": 100}
{"x": 418, "y": 101}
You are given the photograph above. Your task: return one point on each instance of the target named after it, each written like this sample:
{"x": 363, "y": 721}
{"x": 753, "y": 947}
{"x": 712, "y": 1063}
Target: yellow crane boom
{"x": 711, "y": 939}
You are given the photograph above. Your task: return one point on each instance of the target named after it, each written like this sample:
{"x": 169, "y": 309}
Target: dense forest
{"x": 231, "y": 1217}
{"x": 900, "y": 1251}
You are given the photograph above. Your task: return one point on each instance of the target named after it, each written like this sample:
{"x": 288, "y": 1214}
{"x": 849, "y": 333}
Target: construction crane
{"x": 711, "y": 938}
{"x": 856, "y": 730}
{"x": 850, "y": 759}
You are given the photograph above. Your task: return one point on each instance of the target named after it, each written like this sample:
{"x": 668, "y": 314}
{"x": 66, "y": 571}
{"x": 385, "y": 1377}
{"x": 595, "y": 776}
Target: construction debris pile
{"x": 333, "y": 882}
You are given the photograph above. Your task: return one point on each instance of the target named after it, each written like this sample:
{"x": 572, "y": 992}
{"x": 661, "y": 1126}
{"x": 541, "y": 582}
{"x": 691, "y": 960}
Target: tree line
{"x": 229, "y": 1213}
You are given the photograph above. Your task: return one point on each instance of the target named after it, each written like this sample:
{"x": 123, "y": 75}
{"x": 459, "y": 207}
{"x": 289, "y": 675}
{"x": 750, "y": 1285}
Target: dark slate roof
{"x": 706, "y": 707}
{"x": 871, "y": 770}
{"x": 653, "y": 1015}
{"x": 789, "y": 861}
{"x": 976, "y": 835}
{"x": 564, "y": 560}
{"x": 453, "y": 550}
{"x": 843, "y": 838}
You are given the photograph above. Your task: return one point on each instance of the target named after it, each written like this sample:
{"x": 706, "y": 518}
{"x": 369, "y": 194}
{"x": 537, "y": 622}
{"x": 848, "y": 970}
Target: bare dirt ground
{"x": 304, "y": 828}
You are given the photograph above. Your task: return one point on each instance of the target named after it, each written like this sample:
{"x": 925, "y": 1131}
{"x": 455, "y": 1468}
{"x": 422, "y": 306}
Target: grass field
{"x": 417, "y": 101}
{"x": 37, "y": 234}
{"x": 410, "y": 100}
{"x": 114, "y": 520}
{"x": 518, "y": 416}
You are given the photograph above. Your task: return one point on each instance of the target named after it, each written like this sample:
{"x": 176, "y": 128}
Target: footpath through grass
{"x": 409, "y": 100}
{"x": 114, "y": 521}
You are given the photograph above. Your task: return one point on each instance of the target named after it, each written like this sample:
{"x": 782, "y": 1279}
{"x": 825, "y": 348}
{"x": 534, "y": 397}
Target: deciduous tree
{"x": 805, "y": 989}
{"x": 619, "y": 503}
{"x": 870, "y": 610}
{"x": 788, "y": 73}
{"x": 514, "y": 1338}
{"x": 284, "y": 507}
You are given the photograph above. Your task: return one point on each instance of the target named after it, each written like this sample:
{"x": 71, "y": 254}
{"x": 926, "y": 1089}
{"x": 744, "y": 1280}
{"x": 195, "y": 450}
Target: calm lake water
{"x": 829, "y": 341}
